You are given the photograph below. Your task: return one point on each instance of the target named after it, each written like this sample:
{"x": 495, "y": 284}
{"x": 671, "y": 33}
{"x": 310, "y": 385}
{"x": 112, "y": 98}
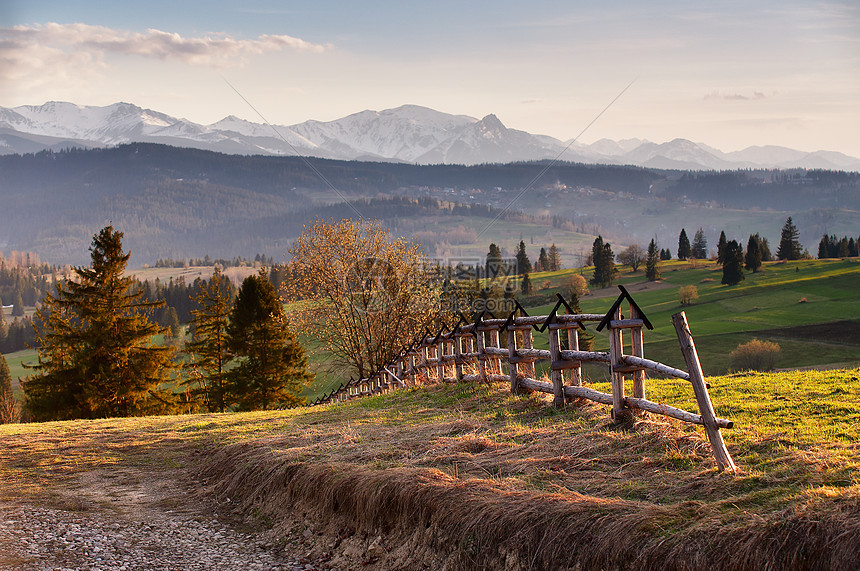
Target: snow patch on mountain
{"x": 409, "y": 133}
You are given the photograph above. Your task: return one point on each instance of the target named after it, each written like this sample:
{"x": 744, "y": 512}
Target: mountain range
{"x": 408, "y": 134}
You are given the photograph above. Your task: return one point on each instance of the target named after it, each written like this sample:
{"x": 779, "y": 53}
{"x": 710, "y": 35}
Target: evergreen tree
{"x": 526, "y": 285}
{"x": 721, "y": 246}
{"x": 524, "y": 265}
{"x": 604, "y": 263}
{"x": 494, "y": 262}
{"x": 210, "y": 355}
{"x": 752, "y": 259}
{"x": 789, "y": 245}
{"x": 763, "y": 245}
{"x": 3, "y": 327}
{"x": 554, "y": 258}
{"x": 18, "y": 305}
{"x": 733, "y": 271}
{"x": 700, "y": 245}
{"x": 8, "y": 406}
{"x": 684, "y": 250}
{"x": 272, "y": 366}
{"x": 824, "y": 247}
{"x": 665, "y": 254}
{"x": 170, "y": 321}
{"x": 652, "y": 263}
{"x": 96, "y": 355}
{"x": 543, "y": 261}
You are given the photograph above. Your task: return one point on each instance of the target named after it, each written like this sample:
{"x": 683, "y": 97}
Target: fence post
{"x": 410, "y": 364}
{"x": 616, "y": 350}
{"x": 557, "y": 375}
{"x": 512, "y": 360}
{"x": 458, "y": 356}
{"x": 440, "y": 355}
{"x": 573, "y": 345}
{"x": 637, "y": 347}
{"x": 495, "y": 361}
{"x": 697, "y": 379}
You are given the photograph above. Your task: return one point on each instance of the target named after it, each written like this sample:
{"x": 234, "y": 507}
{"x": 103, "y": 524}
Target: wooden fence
{"x": 472, "y": 352}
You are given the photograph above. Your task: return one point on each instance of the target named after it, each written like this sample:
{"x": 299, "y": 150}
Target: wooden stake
{"x": 616, "y": 350}
{"x": 556, "y": 375}
{"x": 637, "y": 347}
{"x": 697, "y": 379}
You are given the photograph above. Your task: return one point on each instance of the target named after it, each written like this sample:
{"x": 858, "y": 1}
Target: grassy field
{"x": 472, "y": 477}
{"x": 811, "y": 308}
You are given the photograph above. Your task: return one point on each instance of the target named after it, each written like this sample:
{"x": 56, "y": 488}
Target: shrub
{"x": 546, "y": 284}
{"x": 754, "y": 356}
{"x": 576, "y": 284}
{"x": 688, "y": 295}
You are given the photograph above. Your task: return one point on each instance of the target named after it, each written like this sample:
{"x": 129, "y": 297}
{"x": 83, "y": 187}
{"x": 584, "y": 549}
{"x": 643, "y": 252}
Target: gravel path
{"x": 133, "y": 520}
{"x": 33, "y": 538}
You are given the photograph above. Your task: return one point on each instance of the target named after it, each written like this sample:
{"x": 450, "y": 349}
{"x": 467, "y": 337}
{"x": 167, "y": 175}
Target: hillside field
{"x": 470, "y": 477}
{"x": 811, "y": 308}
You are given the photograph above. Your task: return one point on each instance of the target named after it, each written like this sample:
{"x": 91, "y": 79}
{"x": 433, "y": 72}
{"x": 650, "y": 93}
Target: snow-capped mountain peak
{"x": 409, "y": 133}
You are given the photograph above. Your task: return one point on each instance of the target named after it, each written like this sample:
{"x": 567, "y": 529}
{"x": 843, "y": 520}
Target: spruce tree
{"x": 97, "y": 357}
{"x": 526, "y": 285}
{"x": 494, "y": 262}
{"x": 8, "y": 406}
{"x": 18, "y": 305}
{"x": 789, "y": 244}
{"x": 700, "y": 245}
{"x": 3, "y": 327}
{"x": 721, "y": 246}
{"x": 824, "y": 247}
{"x": 554, "y": 258}
{"x": 752, "y": 259}
{"x": 684, "y": 250}
{"x": 652, "y": 263}
{"x": 733, "y": 271}
{"x": 604, "y": 263}
{"x": 543, "y": 261}
{"x": 210, "y": 355}
{"x": 524, "y": 265}
{"x": 763, "y": 245}
{"x": 272, "y": 368}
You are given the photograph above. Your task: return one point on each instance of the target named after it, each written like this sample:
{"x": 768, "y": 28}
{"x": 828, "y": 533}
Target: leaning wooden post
{"x": 616, "y": 350}
{"x": 697, "y": 379}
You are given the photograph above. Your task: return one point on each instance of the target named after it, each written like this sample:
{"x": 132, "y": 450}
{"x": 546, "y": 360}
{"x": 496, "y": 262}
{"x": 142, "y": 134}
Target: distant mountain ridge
{"x": 409, "y": 133}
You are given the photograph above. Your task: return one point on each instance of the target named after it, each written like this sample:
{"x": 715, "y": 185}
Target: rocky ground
{"x": 132, "y": 521}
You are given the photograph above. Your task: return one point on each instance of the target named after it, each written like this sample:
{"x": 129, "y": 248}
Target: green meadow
{"x": 811, "y": 308}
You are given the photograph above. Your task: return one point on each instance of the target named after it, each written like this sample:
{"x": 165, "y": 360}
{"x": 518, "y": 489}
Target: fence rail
{"x": 473, "y": 352}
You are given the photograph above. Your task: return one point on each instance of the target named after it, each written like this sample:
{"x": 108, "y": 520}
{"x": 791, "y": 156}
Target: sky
{"x": 727, "y": 74}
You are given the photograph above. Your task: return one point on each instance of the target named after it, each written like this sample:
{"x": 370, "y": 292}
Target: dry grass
{"x": 470, "y": 477}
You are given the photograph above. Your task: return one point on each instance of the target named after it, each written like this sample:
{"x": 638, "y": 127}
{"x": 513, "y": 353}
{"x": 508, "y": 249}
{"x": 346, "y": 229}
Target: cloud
{"x": 67, "y": 58}
{"x": 97, "y": 41}
{"x": 716, "y": 95}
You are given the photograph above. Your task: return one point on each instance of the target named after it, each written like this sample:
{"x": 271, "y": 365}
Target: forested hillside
{"x": 180, "y": 203}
